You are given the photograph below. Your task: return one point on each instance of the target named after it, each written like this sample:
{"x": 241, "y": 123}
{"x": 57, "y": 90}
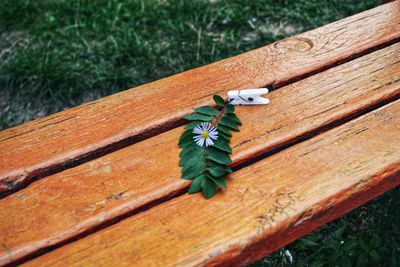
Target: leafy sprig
{"x": 207, "y": 166}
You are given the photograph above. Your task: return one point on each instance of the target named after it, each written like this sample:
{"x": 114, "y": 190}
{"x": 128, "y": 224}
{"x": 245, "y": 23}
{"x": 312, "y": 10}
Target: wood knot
{"x": 294, "y": 44}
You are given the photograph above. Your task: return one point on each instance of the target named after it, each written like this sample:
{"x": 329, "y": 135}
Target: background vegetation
{"x": 55, "y": 54}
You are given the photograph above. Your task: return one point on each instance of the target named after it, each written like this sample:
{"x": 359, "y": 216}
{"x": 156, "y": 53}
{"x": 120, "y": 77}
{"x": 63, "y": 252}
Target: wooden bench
{"x": 100, "y": 184}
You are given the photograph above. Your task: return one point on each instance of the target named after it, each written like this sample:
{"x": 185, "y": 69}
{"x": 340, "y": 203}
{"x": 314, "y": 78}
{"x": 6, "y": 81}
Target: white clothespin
{"x": 248, "y": 97}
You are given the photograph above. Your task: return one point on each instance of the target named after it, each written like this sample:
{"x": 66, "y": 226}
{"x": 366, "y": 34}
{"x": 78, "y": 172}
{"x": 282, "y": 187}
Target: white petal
{"x": 197, "y": 137}
{"x": 209, "y": 141}
{"x": 213, "y": 136}
{"x": 198, "y": 142}
{"x": 197, "y": 130}
{"x": 213, "y": 131}
{"x": 206, "y": 141}
{"x": 201, "y": 141}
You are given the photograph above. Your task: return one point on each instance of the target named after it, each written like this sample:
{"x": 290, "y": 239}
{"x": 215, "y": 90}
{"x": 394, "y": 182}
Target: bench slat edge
{"x": 133, "y": 178}
{"x": 268, "y": 204}
{"x": 68, "y": 138}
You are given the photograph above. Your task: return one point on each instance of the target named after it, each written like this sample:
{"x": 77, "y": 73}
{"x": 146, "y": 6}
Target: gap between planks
{"x": 268, "y": 205}
{"x": 104, "y": 191}
{"x": 67, "y": 139}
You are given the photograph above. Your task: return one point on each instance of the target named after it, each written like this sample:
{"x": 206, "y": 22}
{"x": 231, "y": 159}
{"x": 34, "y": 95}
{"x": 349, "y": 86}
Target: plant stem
{"x": 215, "y": 124}
{"x": 219, "y": 115}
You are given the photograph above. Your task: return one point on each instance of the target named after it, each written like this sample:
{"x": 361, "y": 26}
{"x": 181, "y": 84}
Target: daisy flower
{"x": 205, "y": 133}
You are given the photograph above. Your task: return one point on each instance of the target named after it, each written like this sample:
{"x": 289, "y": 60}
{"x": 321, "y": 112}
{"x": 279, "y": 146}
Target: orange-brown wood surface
{"x": 64, "y": 205}
{"x": 268, "y": 204}
{"x": 67, "y": 138}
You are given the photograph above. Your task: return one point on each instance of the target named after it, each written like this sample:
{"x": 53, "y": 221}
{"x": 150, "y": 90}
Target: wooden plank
{"x": 67, "y": 138}
{"x": 268, "y": 204}
{"x": 135, "y": 177}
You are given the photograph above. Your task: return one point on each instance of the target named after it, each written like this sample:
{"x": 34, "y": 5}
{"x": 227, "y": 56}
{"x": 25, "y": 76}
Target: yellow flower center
{"x": 204, "y": 134}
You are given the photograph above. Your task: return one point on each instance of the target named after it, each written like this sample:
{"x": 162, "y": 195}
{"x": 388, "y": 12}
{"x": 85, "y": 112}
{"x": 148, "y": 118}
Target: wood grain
{"x": 268, "y": 204}
{"x": 70, "y": 137}
{"x": 63, "y": 206}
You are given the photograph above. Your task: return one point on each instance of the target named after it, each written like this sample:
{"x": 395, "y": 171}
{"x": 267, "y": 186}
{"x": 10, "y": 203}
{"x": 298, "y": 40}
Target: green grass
{"x": 56, "y": 54}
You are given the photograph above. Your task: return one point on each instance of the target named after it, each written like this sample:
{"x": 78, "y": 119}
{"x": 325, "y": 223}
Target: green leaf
{"x": 349, "y": 244}
{"x": 218, "y": 156}
{"x": 228, "y": 169}
{"x": 196, "y": 184}
{"x": 362, "y": 260}
{"x": 188, "y": 149}
{"x": 222, "y": 144}
{"x": 207, "y": 166}
{"x": 192, "y": 171}
{"x": 339, "y": 232}
{"x": 191, "y": 151}
{"x": 191, "y": 125}
{"x": 198, "y": 117}
{"x": 219, "y": 181}
{"x": 374, "y": 255}
{"x": 192, "y": 159}
{"x": 216, "y": 171}
{"x": 209, "y": 188}
{"x": 363, "y": 245}
{"x": 346, "y": 262}
{"x": 308, "y": 242}
{"x": 229, "y": 123}
{"x": 316, "y": 264}
{"x": 224, "y": 130}
{"x": 225, "y": 167}
{"x": 224, "y": 136}
{"x": 185, "y": 134}
{"x": 197, "y": 162}
{"x": 219, "y": 100}
{"x": 183, "y": 161}
{"x": 375, "y": 241}
{"x": 186, "y": 140}
{"x": 336, "y": 255}
{"x": 207, "y": 110}
{"x": 230, "y": 108}
{"x": 232, "y": 117}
